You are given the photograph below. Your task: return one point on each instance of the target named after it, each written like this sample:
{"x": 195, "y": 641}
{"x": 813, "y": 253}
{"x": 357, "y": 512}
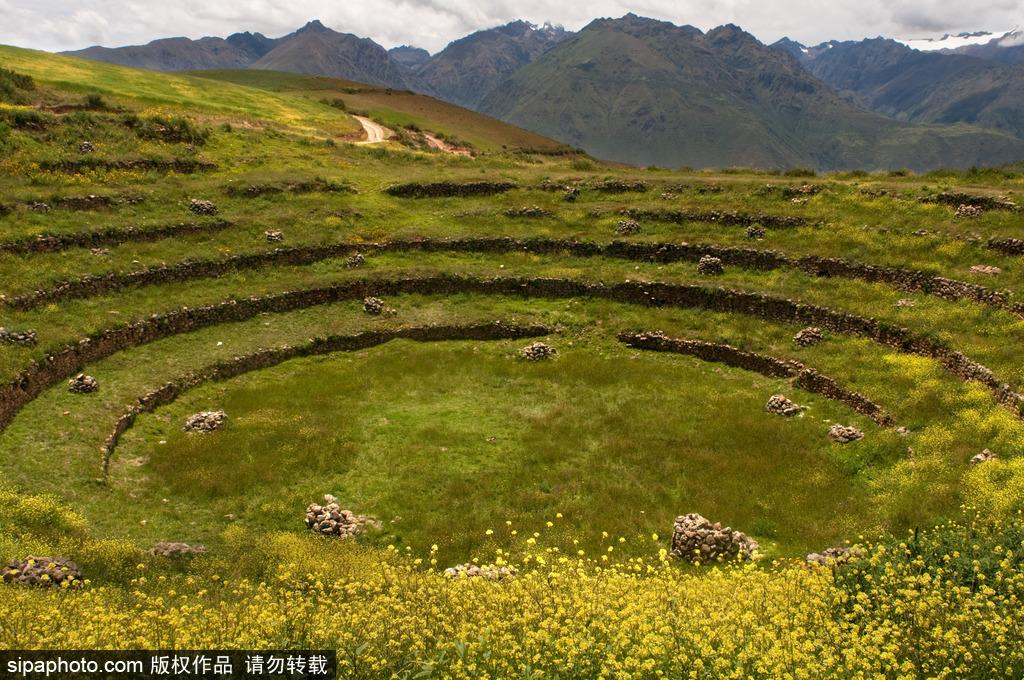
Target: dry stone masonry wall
{"x": 48, "y": 242}
{"x": 696, "y": 539}
{"x": 448, "y": 189}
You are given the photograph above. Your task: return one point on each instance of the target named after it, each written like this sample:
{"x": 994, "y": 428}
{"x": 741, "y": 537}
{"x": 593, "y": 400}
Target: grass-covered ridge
{"x": 462, "y": 448}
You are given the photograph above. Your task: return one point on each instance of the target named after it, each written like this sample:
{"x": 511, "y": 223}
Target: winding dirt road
{"x": 375, "y": 133}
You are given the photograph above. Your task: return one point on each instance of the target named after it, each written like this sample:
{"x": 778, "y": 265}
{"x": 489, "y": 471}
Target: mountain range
{"x": 643, "y": 91}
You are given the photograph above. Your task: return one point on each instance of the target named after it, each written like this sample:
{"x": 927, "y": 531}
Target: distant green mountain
{"x": 649, "y": 92}
{"x": 926, "y": 87}
{"x": 468, "y": 69}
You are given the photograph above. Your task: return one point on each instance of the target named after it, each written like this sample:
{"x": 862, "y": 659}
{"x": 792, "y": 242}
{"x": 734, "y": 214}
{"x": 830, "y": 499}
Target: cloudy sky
{"x": 71, "y": 24}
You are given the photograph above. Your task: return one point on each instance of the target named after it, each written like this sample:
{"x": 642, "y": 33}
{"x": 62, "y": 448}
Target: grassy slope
{"x": 394, "y": 108}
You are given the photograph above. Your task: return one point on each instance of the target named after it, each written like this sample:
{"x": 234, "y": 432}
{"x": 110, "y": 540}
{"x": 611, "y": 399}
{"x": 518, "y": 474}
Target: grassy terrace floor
{"x": 461, "y": 444}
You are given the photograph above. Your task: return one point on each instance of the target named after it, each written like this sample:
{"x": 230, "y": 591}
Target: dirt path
{"x": 375, "y": 133}
{"x": 441, "y": 145}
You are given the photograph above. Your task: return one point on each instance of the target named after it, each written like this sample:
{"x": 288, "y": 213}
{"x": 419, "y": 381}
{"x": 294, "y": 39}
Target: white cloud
{"x": 62, "y": 25}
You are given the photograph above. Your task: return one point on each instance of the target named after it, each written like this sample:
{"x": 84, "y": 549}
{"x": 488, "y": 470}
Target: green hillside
{"x": 365, "y": 317}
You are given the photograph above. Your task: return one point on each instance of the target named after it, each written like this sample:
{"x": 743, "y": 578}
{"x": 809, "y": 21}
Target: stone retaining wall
{"x": 730, "y": 218}
{"x": 803, "y": 377}
{"x": 448, "y": 189}
{"x": 747, "y": 258}
{"x": 180, "y": 165}
{"x": 1009, "y": 246}
{"x": 266, "y": 358}
{"x": 67, "y": 361}
{"x": 50, "y": 242}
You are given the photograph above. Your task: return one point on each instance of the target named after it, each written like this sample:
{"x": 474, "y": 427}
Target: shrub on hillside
{"x": 13, "y": 86}
{"x": 176, "y": 130}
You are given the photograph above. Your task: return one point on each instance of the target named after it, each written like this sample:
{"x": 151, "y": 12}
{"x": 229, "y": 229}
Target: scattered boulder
{"x": 986, "y": 269}
{"x": 205, "y": 421}
{"x": 39, "y": 206}
{"x": 627, "y": 227}
{"x": 710, "y": 266}
{"x": 571, "y": 194}
{"x": 330, "y": 520}
{"x": 274, "y": 236}
{"x": 23, "y": 338}
{"x": 355, "y": 261}
{"x": 756, "y": 233}
{"x": 51, "y": 572}
{"x": 904, "y": 302}
{"x": 983, "y": 457}
{"x": 373, "y": 305}
{"x": 965, "y": 211}
{"x": 809, "y": 336}
{"x": 844, "y": 434}
{"x": 537, "y": 351}
{"x": 903, "y": 431}
{"x": 178, "y": 550}
{"x": 82, "y": 384}
{"x": 201, "y": 207}
{"x": 780, "y": 405}
{"x": 86, "y": 147}
{"x": 490, "y": 572}
{"x": 840, "y": 554}
{"x": 696, "y": 539}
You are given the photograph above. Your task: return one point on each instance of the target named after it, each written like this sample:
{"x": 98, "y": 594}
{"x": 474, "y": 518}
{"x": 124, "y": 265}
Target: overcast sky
{"x": 72, "y": 24}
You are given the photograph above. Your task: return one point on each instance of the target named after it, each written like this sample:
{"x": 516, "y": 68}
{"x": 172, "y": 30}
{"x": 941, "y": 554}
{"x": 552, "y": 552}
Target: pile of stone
{"x": 844, "y": 434}
{"x": 627, "y": 227}
{"x": 44, "y": 571}
{"x": 983, "y": 457}
{"x": 274, "y": 236}
{"x": 696, "y": 539}
{"x": 780, "y": 405}
{"x": 82, "y": 384}
{"x": 528, "y": 211}
{"x": 986, "y": 269}
{"x": 86, "y": 147}
{"x": 178, "y": 550}
{"x": 834, "y": 556}
{"x": 965, "y": 211}
{"x": 489, "y": 572}
{"x": 23, "y": 338}
{"x": 201, "y": 207}
{"x": 39, "y": 206}
{"x": 756, "y": 233}
{"x": 710, "y": 265}
{"x": 373, "y": 305}
{"x": 904, "y": 302}
{"x": 355, "y": 261}
{"x": 809, "y": 336}
{"x": 330, "y": 520}
{"x": 537, "y": 351}
{"x": 571, "y": 194}
{"x": 205, "y": 421}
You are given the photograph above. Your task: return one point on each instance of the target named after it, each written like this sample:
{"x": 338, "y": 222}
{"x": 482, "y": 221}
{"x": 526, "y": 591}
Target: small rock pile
{"x": 355, "y": 261}
{"x": 82, "y": 384}
{"x": 528, "y": 211}
{"x": 205, "y": 421}
{"x": 966, "y": 212}
{"x": 373, "y": 305}
{"x": 44, "y": 571}
{"x": 809, "y": 336}
{"x": 330, "y": 520}
{"x": 844, "y": 434}
{"x": 23, "y": 338}
{"x": 201, "y": 207}
{"x": 780, "y": 405}
{"x": 627, "y": 227}
{"x": 904, "y": 302}
{"x": 274, "y": 236}
{"x": 537, "y": 351}
{"x": 696, "y": 539}
{"x": 39, "y": 206}
{"x": 986, "y": 269}
{"x": 490, "y": 572}
{"x": 756, "y": 233}
{"x": 710, "y": 265}
{"x": 983, "y": 457}
{"x": 178, "y": 550}
{"x": 86, "y": 147}
{"x": 571, "y": 194}
{"x": 833, "y": 556}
